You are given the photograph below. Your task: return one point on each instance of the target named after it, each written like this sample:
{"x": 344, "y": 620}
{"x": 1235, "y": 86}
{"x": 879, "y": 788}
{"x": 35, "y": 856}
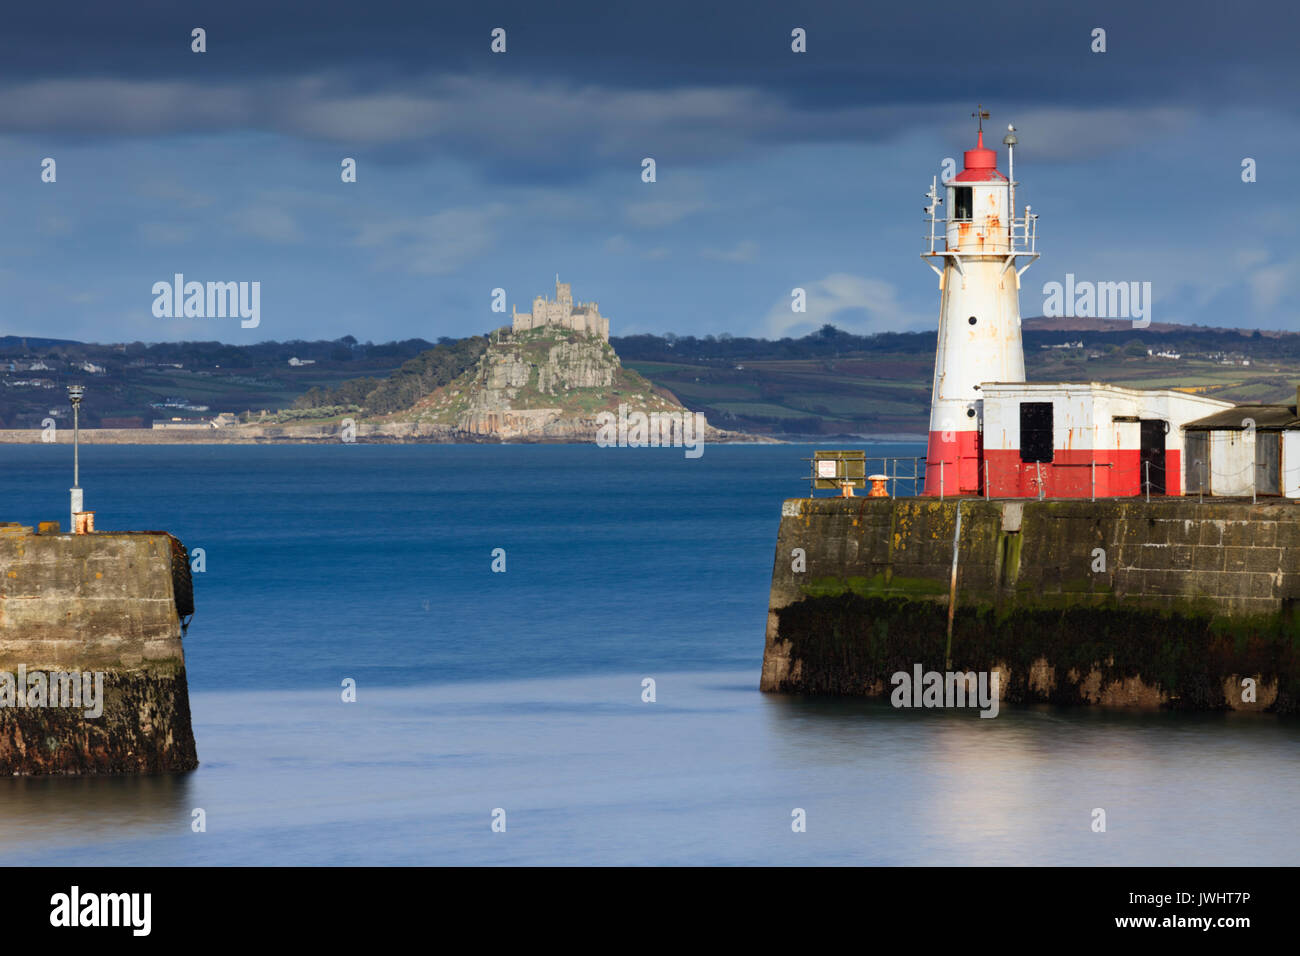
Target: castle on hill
{"x": 563, "y": 312}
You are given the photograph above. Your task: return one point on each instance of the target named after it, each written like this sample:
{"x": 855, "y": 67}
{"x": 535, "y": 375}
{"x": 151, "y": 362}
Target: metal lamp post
{"x": 1011, "y": 142}
{"x": 75, "y": 393}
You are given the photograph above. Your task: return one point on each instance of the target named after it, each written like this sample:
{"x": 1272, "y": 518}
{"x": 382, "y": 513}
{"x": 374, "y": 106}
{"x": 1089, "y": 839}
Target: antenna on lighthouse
{"x": 1010, "y": 141}
{"x": 981, "y": 114}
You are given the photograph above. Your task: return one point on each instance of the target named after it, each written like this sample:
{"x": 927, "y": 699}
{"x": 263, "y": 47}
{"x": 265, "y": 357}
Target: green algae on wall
{"x": 1117, "y": 601}
{"x": 849, "y": 644}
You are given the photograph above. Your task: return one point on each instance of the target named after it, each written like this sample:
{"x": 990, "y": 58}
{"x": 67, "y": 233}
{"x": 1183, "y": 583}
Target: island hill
{"x": 547, "y": 377}
{"x": 550, "y": 376}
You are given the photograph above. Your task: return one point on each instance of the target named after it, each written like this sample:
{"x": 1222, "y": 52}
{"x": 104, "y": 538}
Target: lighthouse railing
{"x": 1024, "y": 233}
{"x": 1022, "y": 237}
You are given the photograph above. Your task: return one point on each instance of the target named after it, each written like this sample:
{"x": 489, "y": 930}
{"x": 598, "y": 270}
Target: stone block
{"x": 1239, "y": 534}
{"x": 1265, "y": 560}
{"x": 1262, "y": 586}
{"x": 1208, "y": 558}
{"x": 1234, "y": 559}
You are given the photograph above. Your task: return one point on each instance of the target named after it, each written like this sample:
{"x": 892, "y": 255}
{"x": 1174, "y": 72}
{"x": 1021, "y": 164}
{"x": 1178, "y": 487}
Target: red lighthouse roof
{"x": 981, "y": 165}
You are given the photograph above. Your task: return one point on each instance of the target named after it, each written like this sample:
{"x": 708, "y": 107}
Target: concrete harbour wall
{"x": 101, "y": 602}
{"x": 1120, "y": 602}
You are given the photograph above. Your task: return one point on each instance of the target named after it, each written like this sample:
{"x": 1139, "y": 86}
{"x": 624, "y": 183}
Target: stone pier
{"x": 1172, "y": 603}
{"x": 108, "y": 603}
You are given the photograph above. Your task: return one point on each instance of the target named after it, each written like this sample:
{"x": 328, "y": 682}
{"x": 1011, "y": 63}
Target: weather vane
{"x": 981, "y": 114}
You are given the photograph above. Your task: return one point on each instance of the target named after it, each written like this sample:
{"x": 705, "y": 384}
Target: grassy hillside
{"x": 835, "y": 383}
{"x": 136, "y": 380}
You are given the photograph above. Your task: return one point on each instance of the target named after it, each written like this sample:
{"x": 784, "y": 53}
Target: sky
{"x": 478, "y": 170}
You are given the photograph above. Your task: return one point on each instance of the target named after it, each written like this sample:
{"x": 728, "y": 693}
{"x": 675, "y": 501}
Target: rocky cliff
{"x": 545, "y": 384}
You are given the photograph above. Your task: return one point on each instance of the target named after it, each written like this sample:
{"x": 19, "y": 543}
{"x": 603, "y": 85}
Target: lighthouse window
{"x": 963, "y": 204}
{"x": 1036, "y": 431}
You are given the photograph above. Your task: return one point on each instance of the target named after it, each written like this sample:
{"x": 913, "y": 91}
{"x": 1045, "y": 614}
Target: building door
{"x": 1196, "y": 460}
{"x": 1152, "y": 461}
{"x": 1268, "y": 463}
{"x": 1036, "y": 446}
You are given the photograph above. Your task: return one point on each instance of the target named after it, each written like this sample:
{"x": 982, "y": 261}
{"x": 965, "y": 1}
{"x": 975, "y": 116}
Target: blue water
{"x": 522, "y": 691}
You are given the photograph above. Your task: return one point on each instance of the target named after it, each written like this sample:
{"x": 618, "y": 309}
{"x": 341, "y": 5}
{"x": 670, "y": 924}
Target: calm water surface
{"x": 522, "y": 690}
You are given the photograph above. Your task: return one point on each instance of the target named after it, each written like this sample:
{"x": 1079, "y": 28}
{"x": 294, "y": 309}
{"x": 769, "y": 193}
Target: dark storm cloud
{"x": 857, "y": 50}
{"x": 584, "y": 84}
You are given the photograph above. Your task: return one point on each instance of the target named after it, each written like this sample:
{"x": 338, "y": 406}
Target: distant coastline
{"x": 829, "y": 385}
{"x": 367, "y": 434}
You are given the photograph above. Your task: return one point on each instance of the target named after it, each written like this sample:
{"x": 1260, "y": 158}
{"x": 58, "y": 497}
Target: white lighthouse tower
{"x": 977, "y": 256}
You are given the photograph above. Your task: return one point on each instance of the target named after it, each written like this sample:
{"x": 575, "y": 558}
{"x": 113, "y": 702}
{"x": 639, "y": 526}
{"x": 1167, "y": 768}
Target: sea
{"x": 503, "y": 716}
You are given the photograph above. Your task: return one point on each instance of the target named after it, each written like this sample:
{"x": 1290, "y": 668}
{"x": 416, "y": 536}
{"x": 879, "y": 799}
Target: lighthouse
{"x": 979, "y": 250}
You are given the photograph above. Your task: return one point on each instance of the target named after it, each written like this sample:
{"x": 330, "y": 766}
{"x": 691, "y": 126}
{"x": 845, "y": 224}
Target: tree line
{"x": 415, "y": 379}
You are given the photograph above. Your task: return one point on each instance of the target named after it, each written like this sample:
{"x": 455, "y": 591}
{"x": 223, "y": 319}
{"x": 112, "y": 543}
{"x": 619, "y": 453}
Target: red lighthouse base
{"x": 952, "y": 463}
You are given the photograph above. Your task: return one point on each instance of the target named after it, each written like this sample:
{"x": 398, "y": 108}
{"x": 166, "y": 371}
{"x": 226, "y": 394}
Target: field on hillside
{"x": 889, "y": 394}
{"x": 811, "y": 396}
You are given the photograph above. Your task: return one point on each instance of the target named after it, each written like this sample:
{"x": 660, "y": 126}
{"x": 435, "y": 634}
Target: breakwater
{"x": 107, "y": 607}
{"x": 1123, "y": 602}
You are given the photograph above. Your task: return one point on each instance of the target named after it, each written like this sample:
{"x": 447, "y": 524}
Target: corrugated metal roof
{"x": 1233, "y": 419}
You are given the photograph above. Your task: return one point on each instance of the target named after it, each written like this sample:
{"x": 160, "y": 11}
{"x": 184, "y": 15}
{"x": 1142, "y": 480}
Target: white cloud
{"x": 383, "y": 118}
{"x": 1245, "y": 258}
{"x": 619, "y": 245}
{"x": 174, "y": 194}
{"x": 1270, "y": 284}
{"x": 853, "y": 303}
{"x": 267, "y": 223}
{"x": 657, "y": 213}
{"x": 744, "y": 251}
{"x": 518, "y": 123}
{"x": 164, "y": 233}
{"x": 54, "y": 226}
{"x": 433, "y": 245}
{"x": 1190, "y": 281}
{"x": 1079, "y": 133}
{"x": 123, "y": 107}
